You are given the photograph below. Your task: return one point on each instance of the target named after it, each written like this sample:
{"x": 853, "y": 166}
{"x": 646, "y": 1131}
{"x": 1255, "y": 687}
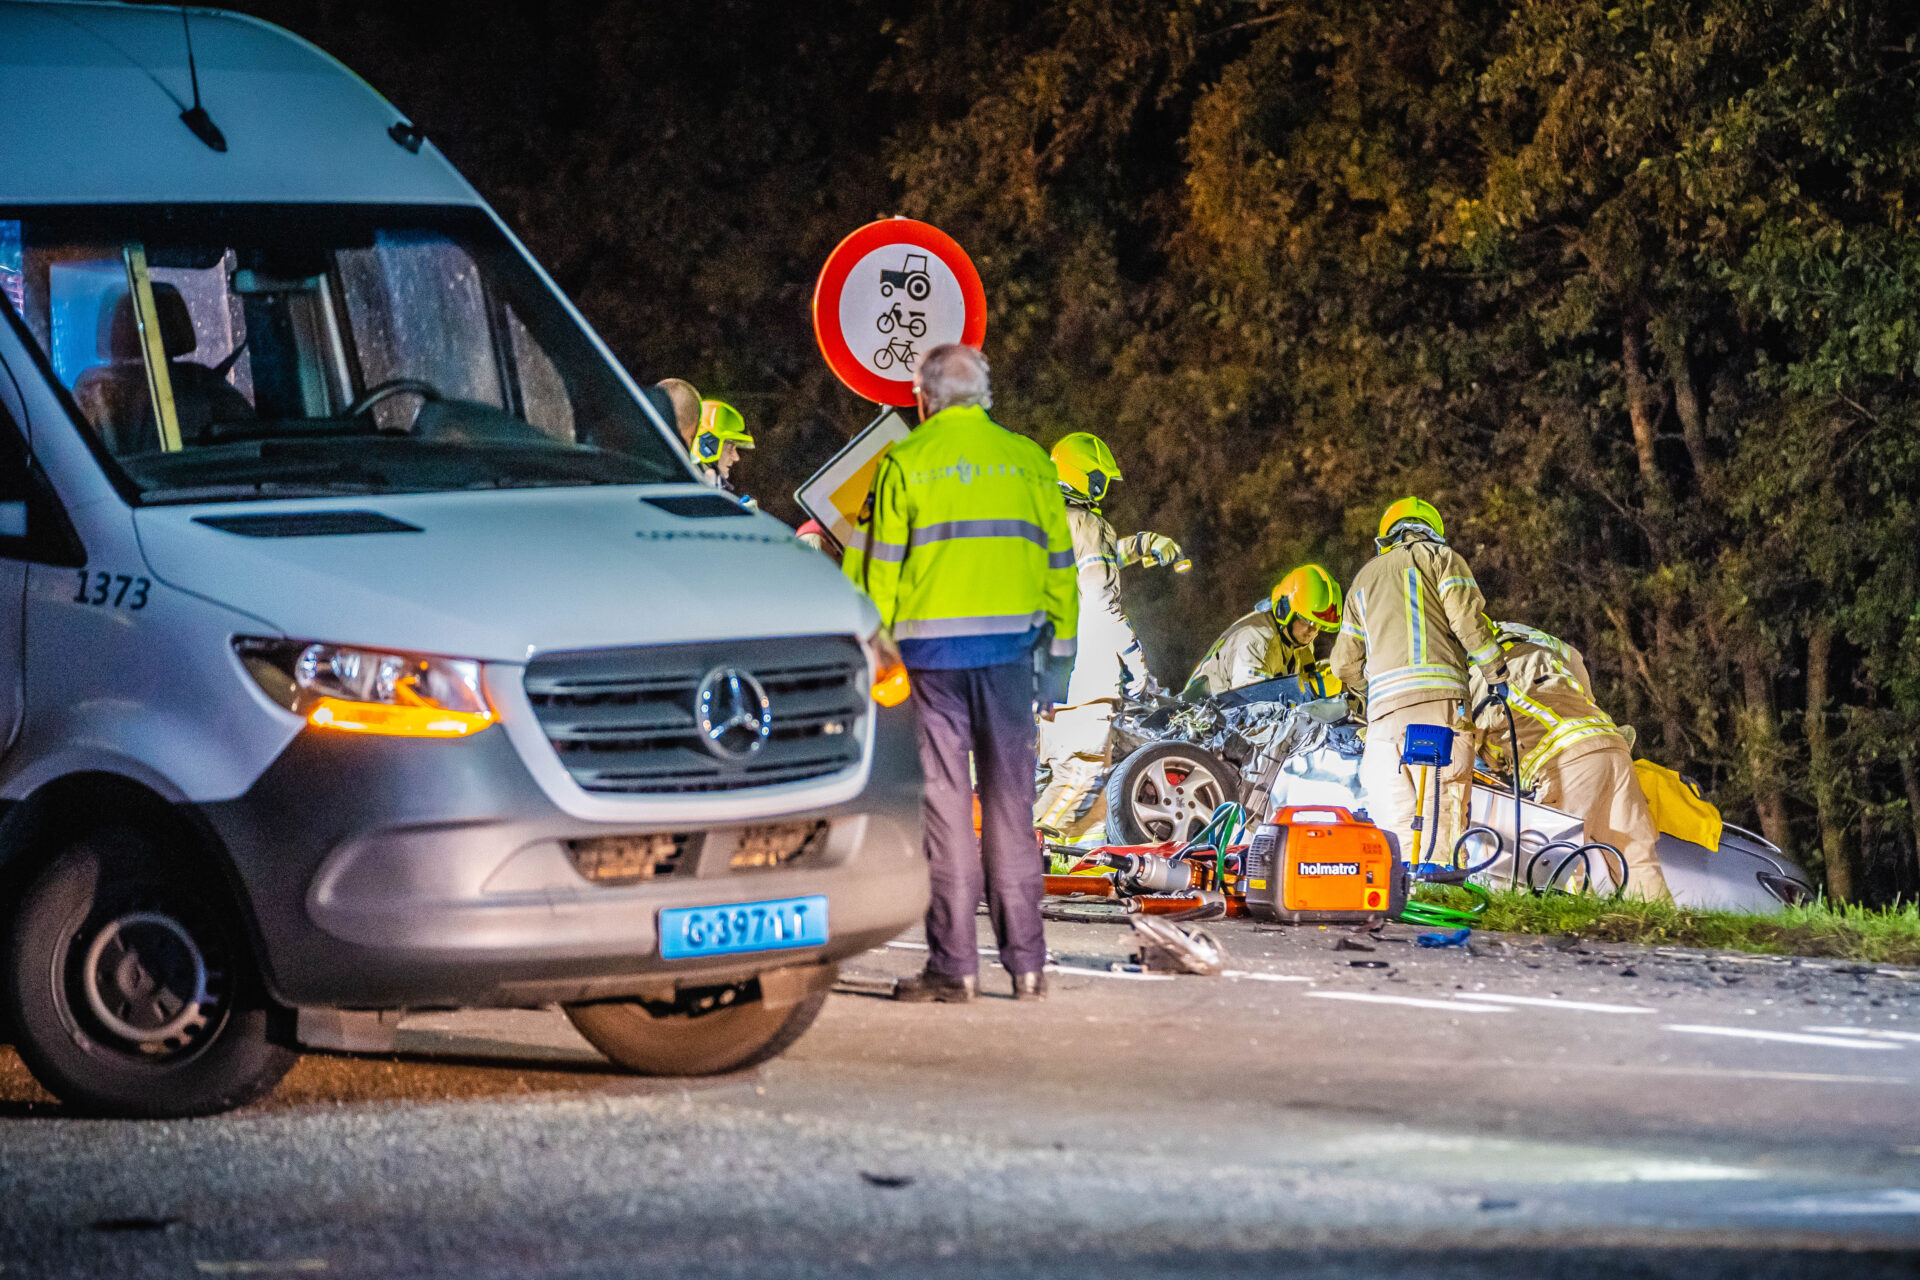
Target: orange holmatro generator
{"x": 1320, "y": 863}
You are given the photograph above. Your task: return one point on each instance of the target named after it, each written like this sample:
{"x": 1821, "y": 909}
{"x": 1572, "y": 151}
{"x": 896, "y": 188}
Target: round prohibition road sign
{"x": 889, "y": 292}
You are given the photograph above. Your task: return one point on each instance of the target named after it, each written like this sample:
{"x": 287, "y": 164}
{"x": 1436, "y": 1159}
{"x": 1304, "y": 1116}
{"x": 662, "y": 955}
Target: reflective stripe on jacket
{"x": 1250, "y": 650}
{"x": 1554, "y": 714}
{"x": 964, "y": 545}
{"x": 1411, "y": 625}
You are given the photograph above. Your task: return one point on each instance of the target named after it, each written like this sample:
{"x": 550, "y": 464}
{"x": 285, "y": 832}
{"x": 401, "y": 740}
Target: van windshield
{"x": 222, "y": 353}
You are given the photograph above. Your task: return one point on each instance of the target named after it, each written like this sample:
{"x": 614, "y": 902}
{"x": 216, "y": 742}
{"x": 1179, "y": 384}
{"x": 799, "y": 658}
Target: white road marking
{"x": 1866, "y": 1033}
{"x": 1110, "y": 973}
{"x": 1658, "y": 1170}
{"x": 1262, "y": 977}
{"x": 1544, "y": 1002}
{"x": 1778, "y": 1037}
{"x": 1084, "y": 972}
{"x": 1717, "y": 1073}
{"x": 1411, "y": 1002}
{"x": 260, "y": 1266}
{"x": 921, "y": 946}
{"x": 1468, "y": 1066}
{"x": 1890, "y": 1200}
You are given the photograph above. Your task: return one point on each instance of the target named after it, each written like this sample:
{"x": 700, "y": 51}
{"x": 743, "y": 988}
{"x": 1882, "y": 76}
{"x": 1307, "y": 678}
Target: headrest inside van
{"x": 120, "y": 328}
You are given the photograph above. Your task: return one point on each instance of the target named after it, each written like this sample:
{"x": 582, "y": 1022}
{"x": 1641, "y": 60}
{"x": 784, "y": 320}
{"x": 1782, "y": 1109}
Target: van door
{"x": 17, "y": 549}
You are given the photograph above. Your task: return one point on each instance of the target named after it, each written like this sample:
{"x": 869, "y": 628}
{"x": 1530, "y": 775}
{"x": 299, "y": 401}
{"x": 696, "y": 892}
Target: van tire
{"x": 130, "y": 989}
{"x": 680, "y": 1044}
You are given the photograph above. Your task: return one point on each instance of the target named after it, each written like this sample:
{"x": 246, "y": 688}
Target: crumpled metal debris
{"x": 1166, "y": 947}
{"x": 1199, "y": 723}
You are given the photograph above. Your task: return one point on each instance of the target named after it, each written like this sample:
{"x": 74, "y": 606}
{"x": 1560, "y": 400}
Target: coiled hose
{"x": 1570, "y": 852}
{"x": 1455, "y": 876}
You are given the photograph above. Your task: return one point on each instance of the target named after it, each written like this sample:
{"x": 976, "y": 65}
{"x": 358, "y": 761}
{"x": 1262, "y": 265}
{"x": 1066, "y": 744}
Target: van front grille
{"x": 627, "y": 721}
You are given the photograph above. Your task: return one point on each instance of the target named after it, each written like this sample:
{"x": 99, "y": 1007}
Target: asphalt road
{"x": 1522, "y": 1110}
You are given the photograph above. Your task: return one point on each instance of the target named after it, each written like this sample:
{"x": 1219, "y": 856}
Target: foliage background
{"x": 1627, "y": 289}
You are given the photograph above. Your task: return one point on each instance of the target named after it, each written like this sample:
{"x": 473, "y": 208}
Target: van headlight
{"x": 354, "y": 690}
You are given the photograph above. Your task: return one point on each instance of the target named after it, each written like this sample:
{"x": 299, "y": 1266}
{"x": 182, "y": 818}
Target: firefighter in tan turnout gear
{"x": 1073, "y": 744}
{"x": 1573, "y": 757}
{"x": 1414, "y": 621}
{"x": 1274, "y": 640}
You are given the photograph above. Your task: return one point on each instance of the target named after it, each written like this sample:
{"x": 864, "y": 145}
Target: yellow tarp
{"x": 1678, "y": 810}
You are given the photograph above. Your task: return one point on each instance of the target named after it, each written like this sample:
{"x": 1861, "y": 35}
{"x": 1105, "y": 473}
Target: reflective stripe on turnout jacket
{"x": 1554, "y": 714}
{"x": 1411, "y": 625}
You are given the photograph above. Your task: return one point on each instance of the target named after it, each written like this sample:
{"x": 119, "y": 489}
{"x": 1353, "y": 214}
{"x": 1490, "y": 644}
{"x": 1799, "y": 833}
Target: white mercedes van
{"x": 366, "y": 642}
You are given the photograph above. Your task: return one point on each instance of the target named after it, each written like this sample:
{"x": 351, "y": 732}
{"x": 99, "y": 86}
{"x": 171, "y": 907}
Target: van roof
{"x": 93, "y": 93}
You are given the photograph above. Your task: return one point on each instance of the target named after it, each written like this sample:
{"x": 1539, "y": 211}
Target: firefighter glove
{"x": 1151, "y": 549}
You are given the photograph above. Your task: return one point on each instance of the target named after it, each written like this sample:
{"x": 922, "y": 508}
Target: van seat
{"x": 114, "y": 396}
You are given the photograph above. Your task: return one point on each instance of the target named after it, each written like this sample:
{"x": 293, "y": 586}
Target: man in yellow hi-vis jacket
{"x": 1573, "y": 757}
{"x": 1413, "y": 621}
{"x": 965, "y": 549}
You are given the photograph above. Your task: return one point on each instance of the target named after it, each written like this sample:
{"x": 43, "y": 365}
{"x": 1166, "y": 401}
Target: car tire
{"x": 652, "y": 1043}
{"x": 130, "y": 989}
{"x": 1167, "y": 791}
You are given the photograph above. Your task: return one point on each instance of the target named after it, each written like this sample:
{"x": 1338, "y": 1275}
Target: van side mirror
{"x": 13, "y": 519}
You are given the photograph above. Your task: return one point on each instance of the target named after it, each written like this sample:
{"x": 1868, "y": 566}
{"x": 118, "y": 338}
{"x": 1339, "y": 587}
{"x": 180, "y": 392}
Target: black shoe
{"x": 1030, "y": 986}
{"x": 935, "y": 988}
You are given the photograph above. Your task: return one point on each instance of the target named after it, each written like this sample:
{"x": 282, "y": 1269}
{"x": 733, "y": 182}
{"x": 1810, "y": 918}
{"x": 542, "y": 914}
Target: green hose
{"x": 1227, "y": 821}
{"x": 1435, "y": 916}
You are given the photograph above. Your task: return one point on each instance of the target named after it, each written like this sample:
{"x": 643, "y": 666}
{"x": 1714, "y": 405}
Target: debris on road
{"x": 1166, "y": 947}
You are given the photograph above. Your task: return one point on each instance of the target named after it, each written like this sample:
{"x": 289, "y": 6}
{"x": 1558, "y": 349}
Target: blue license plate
{"x": 779, "y": 925}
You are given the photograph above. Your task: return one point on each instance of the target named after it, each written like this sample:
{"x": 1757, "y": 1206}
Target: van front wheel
{"x": 130, "y": 989}
{"x": 646, "y": 1039}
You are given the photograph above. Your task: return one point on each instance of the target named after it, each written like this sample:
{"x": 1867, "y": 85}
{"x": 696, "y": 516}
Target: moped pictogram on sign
{"x": 914, "y": 322}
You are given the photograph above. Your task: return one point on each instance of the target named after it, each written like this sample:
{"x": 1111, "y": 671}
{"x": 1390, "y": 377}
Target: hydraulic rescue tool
{"x": 1310, "y": 863}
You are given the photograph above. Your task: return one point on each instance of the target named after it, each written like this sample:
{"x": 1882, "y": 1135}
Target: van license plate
{"x": 779, "y": 925}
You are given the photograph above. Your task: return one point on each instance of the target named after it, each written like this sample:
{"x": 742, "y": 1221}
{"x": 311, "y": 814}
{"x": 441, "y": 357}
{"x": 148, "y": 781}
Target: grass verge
{"x": 1888, "y": 935}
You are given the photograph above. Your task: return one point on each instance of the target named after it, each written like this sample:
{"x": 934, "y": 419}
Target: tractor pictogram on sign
{"x": 912, "y": 276}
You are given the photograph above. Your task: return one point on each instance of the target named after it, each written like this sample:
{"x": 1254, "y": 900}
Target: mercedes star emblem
{"x": 734, "y": 715}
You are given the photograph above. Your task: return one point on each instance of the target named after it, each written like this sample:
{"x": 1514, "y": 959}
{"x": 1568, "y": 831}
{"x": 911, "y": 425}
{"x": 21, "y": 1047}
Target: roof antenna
{"x": 195, "y": 117}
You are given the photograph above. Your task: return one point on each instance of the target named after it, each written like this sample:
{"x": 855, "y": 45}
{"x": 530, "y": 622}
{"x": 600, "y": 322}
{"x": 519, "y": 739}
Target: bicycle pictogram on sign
{"x": 897, "y": 348}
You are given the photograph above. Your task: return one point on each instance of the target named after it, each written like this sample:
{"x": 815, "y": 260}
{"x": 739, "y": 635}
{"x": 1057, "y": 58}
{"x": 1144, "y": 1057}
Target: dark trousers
{"x": 986, "y": 711}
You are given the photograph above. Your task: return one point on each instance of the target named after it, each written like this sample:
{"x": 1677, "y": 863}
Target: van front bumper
{"x": 387, "y": 873}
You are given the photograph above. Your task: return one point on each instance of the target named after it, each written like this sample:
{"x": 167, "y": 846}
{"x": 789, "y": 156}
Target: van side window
{"x": 37, "y": 528}
{"x": 13, "y": 280}
{"x": 14, "y": 484}
{"x": 541, "y": 391}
